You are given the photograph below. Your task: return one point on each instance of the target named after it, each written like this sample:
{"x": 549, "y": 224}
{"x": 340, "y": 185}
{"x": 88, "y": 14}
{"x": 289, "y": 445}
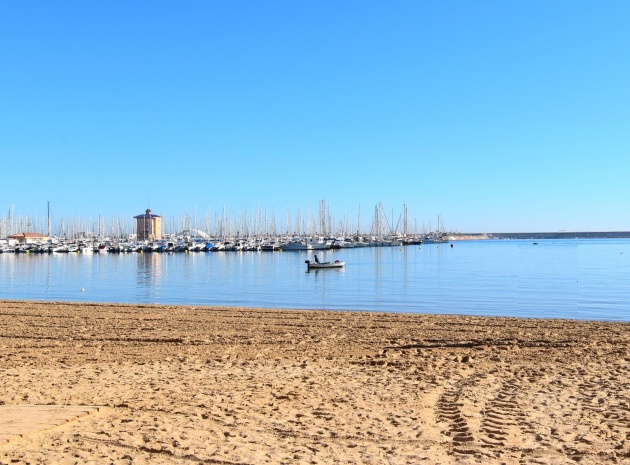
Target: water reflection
{"x": 149, "y": 275}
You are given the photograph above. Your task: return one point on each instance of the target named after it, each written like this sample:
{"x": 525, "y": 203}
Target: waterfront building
{"x": 148, "y": 226}
{"x": 27, "y": 238}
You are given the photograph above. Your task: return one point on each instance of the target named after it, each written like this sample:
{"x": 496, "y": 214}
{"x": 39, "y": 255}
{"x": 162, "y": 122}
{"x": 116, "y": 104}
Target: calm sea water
{"x": 583, "y": 279}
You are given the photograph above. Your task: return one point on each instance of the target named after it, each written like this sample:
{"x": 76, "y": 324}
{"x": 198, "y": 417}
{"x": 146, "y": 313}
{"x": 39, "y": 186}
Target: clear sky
{"x": 500, "y": 116}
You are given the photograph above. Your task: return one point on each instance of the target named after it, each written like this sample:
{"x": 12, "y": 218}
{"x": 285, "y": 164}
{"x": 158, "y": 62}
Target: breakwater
{"x": 563, "y": 235}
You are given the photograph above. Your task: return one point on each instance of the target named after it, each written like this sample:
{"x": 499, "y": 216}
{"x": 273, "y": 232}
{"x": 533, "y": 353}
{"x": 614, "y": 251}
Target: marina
{"x": 247, "y": 226}
{"x": 185, "y": 244}
{"x": 150, "y": 232}
{"x": 148, "y": 236}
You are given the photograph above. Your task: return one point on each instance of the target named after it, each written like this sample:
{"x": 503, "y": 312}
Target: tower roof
{"x": 147, "y": 214}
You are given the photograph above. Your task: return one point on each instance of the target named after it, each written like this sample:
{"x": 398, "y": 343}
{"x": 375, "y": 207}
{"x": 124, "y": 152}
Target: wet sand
{"x": 214, "y": 385}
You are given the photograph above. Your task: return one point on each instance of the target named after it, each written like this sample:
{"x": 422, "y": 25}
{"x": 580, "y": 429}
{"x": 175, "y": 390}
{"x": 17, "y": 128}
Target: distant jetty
{"x": 563, "y": 235}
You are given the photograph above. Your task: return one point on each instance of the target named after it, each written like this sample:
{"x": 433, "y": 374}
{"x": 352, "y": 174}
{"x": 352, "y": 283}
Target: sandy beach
{"x": 181, "y": 385}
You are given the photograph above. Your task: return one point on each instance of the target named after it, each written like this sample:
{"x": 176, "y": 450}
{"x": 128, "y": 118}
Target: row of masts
{"x": 261, "y": 223}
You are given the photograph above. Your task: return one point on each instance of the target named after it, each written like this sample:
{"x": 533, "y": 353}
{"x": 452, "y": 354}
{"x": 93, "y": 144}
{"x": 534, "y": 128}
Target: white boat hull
{"x": 324, "y": 265}
{"x": 294, "y": 246}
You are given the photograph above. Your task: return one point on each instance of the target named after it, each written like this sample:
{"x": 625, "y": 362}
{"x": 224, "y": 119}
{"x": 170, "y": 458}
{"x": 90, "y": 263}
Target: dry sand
{"x": 253, "y": 386}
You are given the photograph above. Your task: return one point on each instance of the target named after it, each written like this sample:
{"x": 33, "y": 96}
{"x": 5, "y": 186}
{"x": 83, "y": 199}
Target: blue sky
{"x": 499, "y": 116}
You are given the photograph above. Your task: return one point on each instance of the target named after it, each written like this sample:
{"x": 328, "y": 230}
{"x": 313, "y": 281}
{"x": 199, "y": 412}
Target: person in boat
{"x": 316, "y": 259}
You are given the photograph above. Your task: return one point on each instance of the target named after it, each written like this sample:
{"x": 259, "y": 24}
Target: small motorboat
{"x": 323, "y": 265}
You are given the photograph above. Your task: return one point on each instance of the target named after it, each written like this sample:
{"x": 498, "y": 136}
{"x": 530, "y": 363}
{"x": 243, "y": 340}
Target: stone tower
{"x": 148, "y": 226}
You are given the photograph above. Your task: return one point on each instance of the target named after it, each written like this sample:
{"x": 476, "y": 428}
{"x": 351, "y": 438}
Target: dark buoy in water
{"x": 451, "y": 246}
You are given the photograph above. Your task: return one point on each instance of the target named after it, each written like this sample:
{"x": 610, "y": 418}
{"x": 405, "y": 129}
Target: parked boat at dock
{"x": 185, "y": 244}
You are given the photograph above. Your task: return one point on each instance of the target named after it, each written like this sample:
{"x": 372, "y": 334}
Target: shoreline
{"x": 244, "y": 385}
{"x": 296, "y": 309}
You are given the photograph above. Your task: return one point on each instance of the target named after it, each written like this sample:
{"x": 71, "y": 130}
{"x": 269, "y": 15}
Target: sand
{"x": 182, "y": 385}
